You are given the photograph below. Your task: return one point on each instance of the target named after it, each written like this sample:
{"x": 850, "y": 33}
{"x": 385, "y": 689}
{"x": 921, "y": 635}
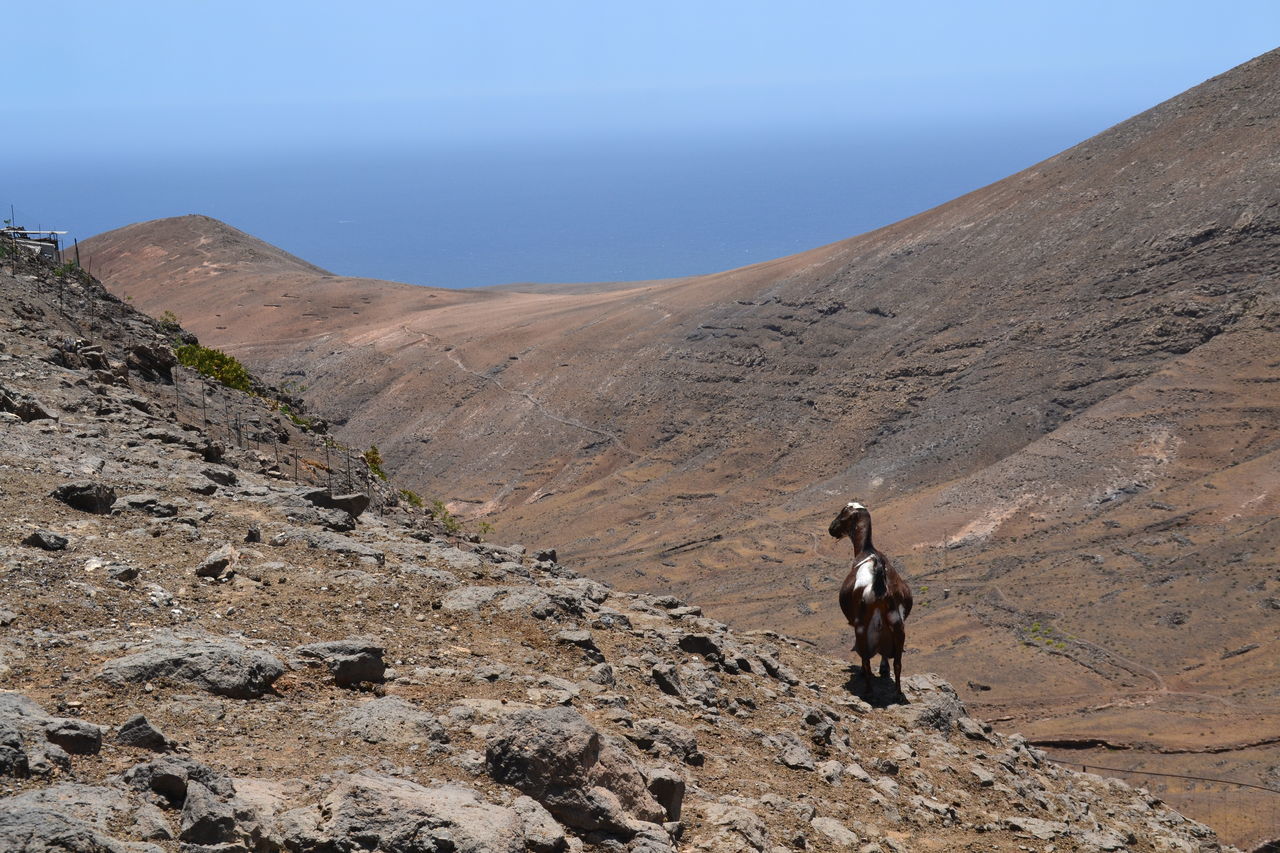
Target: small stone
{"x": 352, "y": 661}
{"x": 221, "y": 476}
{"x": 95, "y": 498}
{"x": 985, "y": 777}
{"x": 835, "y": 831}
{"x": 47, "y": 540}
{"x": 75, "y": 736}
{"x": 667, "y": 679}
{"x": 584, "y": 641}
{"x": 667, "y": 787}
{"x": 138, "y": 732}
{"x": 122, "y": 572}
{"x": 218, "y": 562}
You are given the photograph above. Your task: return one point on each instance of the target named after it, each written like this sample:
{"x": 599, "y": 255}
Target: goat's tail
{"x": 879, "y": 580}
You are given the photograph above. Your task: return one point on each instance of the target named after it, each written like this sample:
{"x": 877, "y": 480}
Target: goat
{"x": 874, "y": 597}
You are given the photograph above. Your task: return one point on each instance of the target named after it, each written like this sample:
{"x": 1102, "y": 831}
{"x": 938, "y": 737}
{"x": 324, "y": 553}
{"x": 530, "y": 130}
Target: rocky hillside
{"x": 200, "y": 653}
{"x": 1057, "y": 393}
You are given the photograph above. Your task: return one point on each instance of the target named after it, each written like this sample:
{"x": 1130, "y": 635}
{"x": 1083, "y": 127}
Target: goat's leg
{"x": 866, "y": 671}
{"x": 884, "y": 666}
{"x": 897, "y": 671}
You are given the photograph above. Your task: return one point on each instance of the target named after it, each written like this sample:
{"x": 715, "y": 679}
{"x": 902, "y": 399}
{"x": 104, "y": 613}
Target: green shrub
{"x": 215, "y": 364}
{"x": 373, "y": 459}
{"x": 411, "y": 497}
{"x": 447, "y": 520}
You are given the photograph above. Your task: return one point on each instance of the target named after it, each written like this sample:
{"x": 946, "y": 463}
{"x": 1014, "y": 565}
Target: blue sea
{"x": 569, "y": 211}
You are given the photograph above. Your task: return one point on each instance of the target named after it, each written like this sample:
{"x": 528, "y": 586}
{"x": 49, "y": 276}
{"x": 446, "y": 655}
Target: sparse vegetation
{"x": 373, "y": 458}
{"x": 447, "y": 520}
{"x": 1044, "y": 635}
{"x": 215, "y": 364}
{"x": 411, "y": 497}
{"x": 169, "y": 323}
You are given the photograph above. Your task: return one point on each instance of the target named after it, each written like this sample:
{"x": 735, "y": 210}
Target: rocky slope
{"x": 1056, "y": 393}
{"x": 195, "y": 656}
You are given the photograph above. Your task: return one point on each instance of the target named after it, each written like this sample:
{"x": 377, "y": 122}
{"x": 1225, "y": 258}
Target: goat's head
{"x": 853, "y": 521}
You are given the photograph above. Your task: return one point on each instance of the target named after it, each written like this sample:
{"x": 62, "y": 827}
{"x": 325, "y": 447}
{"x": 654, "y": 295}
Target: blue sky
{"x": 474, "y": 143}
{"x": 173, "y": 78}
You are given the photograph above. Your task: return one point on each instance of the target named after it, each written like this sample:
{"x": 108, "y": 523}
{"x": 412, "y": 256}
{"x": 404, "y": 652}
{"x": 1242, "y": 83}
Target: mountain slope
{"x": 376, "y": 684}
{"x": 1053, "y": 392}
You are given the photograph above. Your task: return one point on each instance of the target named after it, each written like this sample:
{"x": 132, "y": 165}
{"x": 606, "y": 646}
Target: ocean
{"x": 613, "y": 209}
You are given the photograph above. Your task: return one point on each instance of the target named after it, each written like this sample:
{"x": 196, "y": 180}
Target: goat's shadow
{"x": 880, "y": 693}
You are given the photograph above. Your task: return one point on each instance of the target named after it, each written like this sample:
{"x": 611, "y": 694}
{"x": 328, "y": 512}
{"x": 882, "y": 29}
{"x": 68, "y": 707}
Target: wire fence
{"x": 1244, "y": 814}
{"x": 250, "y": 424}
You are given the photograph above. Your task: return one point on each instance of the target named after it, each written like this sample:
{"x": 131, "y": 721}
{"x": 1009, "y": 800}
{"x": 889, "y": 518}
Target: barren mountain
{"x": 202, "y": 653}
{"x": 1057, "y": 395}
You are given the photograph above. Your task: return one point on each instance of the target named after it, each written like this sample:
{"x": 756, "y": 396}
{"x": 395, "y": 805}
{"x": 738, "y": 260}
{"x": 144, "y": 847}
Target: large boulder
{"x": 41, "y": 829}
{"x": 371, "y": 812}
{"x": 559, "y": 759}
{"x": 223, "y": 668}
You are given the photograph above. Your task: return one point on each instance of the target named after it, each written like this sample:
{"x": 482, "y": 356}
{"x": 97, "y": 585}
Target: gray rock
{"x": 36, "y": 829}
{"x": 170, "y": 776}
{"x": 667, "y": 787}
{"x": 351, "y": 661}
{"x": 665, "y": 737}
{"x": 984, "y": 776}
{"x": 541, "y": 832}
{"x": 218, "y": 562}
{"x": 602, "y": 674}
{"x": 368, "y": 812}
{"x": 75, "y": 736}
{"x": 583, "y": 640}
{"x": 206, "y": 819}
{"x": 151, "y": 824}
{"x": 835, "y": 831}
{"x": 393, "y": 720}
{"x": 46, "y": 540}
{"x": 778, "y": 670}
{"x": 221, "y": 476}
{"x": 470, "y": 598}
{"x": 122, "y": 572}
{"x": 794, "y": 753}
{"x": 831, "y": 772}
{"x": 13, "y": 757}
{"x": 1042, "y": 829}
{"x": 555, "y": 756}
{"x": 223, "y": 668}
{"x": 667, "y": 678}
{"x": 26, "y": 406}
{"x": 702, "y": 644}
{"x": 95, "y": 498}
{"x": 335, "y": 542}
{"x": 352, "y": 504}
{"x": 138, "y": 732}
{"x": 971, "y": 728}
{"x": 736, "y": 825}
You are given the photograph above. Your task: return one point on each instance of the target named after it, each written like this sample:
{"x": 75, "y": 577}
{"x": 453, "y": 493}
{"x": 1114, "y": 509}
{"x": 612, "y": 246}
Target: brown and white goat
{"x": 874, "y": 597}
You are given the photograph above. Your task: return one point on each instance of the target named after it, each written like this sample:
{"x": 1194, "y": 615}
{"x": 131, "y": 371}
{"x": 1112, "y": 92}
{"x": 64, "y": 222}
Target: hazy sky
{"x": 178, "y": 77}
